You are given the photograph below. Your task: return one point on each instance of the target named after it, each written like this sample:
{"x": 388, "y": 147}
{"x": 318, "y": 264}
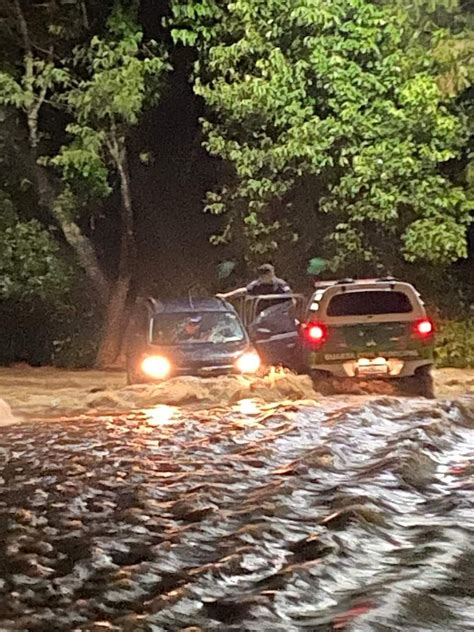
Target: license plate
{"x": 371, "y": 367}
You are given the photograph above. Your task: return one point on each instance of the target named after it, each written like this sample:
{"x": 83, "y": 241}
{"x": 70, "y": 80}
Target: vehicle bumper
{"x": 214, "y": 371}
{"x": 211, "y": 371}
{"x": 398, "y": 368}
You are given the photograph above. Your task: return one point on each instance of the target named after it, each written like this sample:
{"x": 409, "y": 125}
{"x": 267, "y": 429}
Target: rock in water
{"x": 6, "y": 416}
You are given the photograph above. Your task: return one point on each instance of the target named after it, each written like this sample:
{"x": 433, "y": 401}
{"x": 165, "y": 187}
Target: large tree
{"x": 31, "y": 72}
{"x": 120, "y": 75}
{"x": 100, "y": 84}
{"x": 326, "y": 97}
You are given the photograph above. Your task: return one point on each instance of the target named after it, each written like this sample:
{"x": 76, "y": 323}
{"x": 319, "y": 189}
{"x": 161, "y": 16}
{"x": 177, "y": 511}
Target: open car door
{"x": 272, "y": 322}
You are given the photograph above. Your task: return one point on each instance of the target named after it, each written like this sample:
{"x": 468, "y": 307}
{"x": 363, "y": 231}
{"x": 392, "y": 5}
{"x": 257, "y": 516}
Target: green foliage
{"x": 225, "y": 269}
{"x": 445, "y": 28}
{"x": 77, "y": 332}
{"x": 119, "y": 75}
{"x": 30, "y": 89}
{"x": 82, "y": 162}
{"x": 30, "y": 263}
{"x": 327, "y": 93}
{"x": 455, "y": 343}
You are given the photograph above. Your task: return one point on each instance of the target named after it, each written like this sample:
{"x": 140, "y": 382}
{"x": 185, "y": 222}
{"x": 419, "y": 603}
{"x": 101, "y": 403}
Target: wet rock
{"x": 107, "y": 400}
{"x": 311, "y": 548}
{"x": 466, "y": 410}
{"x": 418, "y": 470}
{"x": 6, "y": 416}
{"x": 296, "y": 387}
{"x": 175, "y": 392}
{"x": 227, "y": 612}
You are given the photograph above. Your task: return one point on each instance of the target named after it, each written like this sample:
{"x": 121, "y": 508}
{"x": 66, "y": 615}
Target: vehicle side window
{"x": 278, "y": 319}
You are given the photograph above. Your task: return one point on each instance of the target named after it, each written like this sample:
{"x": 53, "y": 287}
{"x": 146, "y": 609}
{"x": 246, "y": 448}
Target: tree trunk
{"x": 80, "y": 244}
{"x": 114, "y": 325}
{"x": 73, "y": 235}
{"x": 84, "y": 251}
{"x": 116, "y": 312}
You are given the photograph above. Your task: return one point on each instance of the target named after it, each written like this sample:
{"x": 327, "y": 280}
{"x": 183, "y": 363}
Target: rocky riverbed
{"x": 347, "y": 513}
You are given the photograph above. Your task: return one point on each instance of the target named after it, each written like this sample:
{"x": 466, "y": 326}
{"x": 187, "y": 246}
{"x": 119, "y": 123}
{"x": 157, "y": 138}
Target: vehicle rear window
{"x": 370, "y": 302}
{"x": 196, "y": 328}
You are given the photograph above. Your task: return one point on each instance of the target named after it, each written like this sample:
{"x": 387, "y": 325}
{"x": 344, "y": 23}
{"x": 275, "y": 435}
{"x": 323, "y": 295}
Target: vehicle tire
{"x": 299, "y": 368}
{"x": 322, "y": 382}
{"x": 420, "y": 384}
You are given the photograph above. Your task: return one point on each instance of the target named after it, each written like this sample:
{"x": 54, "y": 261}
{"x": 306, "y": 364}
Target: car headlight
{"x": 248, "y": 362}
{"x": 156, "y": 367}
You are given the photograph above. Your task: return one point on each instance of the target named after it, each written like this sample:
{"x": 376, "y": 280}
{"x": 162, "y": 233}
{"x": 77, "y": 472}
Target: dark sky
{"x": 172, "y": 230}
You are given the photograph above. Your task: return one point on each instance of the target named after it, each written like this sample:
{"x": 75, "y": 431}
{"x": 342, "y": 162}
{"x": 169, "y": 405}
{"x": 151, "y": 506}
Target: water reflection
{"x": 161, "y": 415}
{"x": 248, "y": 407}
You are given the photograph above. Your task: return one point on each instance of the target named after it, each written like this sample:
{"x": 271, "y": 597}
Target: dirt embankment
{"x": 47, "y": 392}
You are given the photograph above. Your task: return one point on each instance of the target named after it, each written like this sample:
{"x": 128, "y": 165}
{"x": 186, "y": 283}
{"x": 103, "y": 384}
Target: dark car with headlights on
{"x": 201, "y": 337}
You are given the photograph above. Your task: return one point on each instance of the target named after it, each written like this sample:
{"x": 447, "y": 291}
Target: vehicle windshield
{"x": 196, "y": 328}
{"x": 369, "y": 302}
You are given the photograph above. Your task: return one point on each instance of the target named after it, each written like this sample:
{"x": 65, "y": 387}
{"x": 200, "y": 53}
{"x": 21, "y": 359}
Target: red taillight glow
{"x": 424, "y": 328}
{"x": 314, "y": 333}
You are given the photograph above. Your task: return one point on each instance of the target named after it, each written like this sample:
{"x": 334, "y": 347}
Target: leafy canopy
{"x": 121, "y": 75}
{"x": 30, "y": 263}
{"x": 327, "y": 92}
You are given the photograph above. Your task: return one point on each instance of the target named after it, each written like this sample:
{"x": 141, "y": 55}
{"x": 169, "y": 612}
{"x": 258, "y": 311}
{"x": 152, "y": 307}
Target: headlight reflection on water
{"x": 248, "y": 407}
{"x": 161, "y": 415}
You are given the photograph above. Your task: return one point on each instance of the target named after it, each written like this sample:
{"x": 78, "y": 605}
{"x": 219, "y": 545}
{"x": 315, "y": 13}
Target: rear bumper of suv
{"x": 345, "y": 370}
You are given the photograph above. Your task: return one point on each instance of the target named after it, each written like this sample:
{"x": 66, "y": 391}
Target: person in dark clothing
{"x": 266, "y": 283}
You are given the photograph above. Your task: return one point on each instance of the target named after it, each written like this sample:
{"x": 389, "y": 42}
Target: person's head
{"x": 266, "y": 273}
{"x": 193, "y": 325}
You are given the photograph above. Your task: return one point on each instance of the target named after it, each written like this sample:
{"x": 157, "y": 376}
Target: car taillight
{"x": 424, "y": 328}
{"x": 314, "y": 332}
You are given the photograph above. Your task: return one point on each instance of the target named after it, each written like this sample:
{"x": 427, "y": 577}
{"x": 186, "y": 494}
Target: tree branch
{"x": 85, "y": 16}
{"x": 23, "y": 26}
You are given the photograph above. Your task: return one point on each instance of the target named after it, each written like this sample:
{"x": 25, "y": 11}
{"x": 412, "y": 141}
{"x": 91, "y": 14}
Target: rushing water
{"x": 355, "y": 515}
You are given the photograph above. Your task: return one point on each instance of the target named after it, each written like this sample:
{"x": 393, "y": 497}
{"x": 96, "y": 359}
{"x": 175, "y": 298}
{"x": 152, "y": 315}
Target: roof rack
{"x": 385, "y": 279}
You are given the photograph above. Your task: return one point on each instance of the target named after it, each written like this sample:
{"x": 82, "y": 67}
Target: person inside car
{"x": 192, "y": 330}
{"x": 266, "y": 283}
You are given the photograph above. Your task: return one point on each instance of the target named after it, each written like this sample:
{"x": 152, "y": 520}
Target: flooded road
{"x": 353, "y": 514}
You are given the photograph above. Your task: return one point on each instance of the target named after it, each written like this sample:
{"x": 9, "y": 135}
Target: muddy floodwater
{"x": 348, "y": 513}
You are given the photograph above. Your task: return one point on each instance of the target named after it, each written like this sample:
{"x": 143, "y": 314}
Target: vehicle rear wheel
{"x": 322, "y": 382}
{"x": 300, "y": 368}
{"x": 420, "y": 384}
